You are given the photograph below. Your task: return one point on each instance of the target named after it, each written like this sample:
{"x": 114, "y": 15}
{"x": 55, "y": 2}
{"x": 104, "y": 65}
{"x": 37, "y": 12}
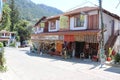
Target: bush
{"x": 2, "y": 59}
{"x": 13, "y": 44}
{"x": 117, "y": 58}
{"x": 1, "y": 45}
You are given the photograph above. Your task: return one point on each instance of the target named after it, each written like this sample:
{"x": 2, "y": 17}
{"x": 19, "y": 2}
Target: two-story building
{"x": 7, "y": 37}
{"x": 77, "y": 30}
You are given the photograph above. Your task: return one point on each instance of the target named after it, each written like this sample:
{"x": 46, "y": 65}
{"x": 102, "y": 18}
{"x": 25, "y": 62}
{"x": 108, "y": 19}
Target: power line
{"x": 77, "y": 6}
{"x": 86, "y": 1}
{"x": 92, "y": 3}
{"x": 118, "y": 4}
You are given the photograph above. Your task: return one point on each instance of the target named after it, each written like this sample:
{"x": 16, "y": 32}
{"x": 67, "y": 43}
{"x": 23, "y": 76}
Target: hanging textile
{"x": 59, "y": 47}
{"x": 69, "y": 38}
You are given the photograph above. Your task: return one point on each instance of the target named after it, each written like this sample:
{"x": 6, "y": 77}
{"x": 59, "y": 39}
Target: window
{"x": 53, "y": 25}
{"x": 42, "y": 24}
{"x": 79, "y": 20}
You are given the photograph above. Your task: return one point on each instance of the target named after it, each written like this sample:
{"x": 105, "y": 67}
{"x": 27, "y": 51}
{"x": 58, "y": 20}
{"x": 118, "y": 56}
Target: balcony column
{"x": 4, "y": 35}
{"x": 10, "y": 35}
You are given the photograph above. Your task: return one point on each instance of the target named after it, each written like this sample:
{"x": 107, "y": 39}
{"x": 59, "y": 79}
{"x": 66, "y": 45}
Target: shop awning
{"x": 69, "y": 32}
{"x": 89, "y": 36}
{"x": 4, "y": 39}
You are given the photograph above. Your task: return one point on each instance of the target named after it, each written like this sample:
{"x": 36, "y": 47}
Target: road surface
{"x": 23, "y": 65}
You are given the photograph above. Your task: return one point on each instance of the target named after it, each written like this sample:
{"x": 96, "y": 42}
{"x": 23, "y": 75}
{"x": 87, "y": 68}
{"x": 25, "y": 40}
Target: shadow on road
{"x": 113, "y": 69}
{"x": 57, "y": 58}
{"x": 73, "y": 61}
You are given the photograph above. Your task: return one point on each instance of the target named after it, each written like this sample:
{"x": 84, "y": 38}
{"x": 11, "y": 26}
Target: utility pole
{"x": 118, "y": 4}
{"x": 118, "y": 31}
{"x": 102, "y": 25}
{"x": 102, "y": 52}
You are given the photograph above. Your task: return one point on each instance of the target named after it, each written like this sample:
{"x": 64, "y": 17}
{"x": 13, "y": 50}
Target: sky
{"x": 66, "y": 5}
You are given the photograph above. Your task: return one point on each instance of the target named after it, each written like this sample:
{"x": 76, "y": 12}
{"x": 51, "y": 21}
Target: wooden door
{"x": 93, "y": 22}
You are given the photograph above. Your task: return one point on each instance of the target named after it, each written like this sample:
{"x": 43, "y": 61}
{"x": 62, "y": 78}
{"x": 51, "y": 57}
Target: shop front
{"x": 51, "y": 44}
{"x": 79, "y": 42}
{"x": 76, "y": 42}
{"x": 87, "y": 44}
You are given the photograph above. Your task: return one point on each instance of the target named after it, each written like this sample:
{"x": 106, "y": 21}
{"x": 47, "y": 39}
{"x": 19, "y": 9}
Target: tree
{"x": 14, "y": 15}
{"x": 23, "y": 30}
{"x": 5, "y": 23}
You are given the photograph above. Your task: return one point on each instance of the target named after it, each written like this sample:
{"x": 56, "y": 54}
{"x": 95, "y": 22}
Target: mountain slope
{"x": 29, "y": 10}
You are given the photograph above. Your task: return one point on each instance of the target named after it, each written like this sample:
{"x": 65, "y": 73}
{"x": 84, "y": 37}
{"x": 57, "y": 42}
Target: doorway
{"x": 79, "y": 48}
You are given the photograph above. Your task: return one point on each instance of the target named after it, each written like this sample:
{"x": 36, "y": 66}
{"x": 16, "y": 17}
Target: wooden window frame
{"x": 52, "y": 24}
{"x": 78, "y": 18}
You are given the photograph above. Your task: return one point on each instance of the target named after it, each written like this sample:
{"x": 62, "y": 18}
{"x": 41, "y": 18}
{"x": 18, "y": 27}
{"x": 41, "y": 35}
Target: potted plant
{"x": 109, "y": 55}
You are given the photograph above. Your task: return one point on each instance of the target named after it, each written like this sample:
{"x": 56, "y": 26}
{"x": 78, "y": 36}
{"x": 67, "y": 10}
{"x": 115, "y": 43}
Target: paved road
{"x": 23, "y": 65}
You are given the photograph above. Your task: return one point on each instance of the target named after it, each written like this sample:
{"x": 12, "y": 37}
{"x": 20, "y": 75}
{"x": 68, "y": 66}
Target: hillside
{"x": 29, "y": 10}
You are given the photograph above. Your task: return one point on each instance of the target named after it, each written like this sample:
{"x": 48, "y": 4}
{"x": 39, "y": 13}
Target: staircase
{"x": 110, "y": 43}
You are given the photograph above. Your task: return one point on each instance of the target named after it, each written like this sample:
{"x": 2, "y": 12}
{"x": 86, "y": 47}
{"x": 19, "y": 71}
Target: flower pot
{"x": 109, "y": 59}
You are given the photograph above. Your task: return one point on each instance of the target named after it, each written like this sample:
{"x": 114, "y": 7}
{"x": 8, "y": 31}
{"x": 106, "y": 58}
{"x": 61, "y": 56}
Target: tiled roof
{"x": 83, "y": 9}
{"x": 43, "y": 18}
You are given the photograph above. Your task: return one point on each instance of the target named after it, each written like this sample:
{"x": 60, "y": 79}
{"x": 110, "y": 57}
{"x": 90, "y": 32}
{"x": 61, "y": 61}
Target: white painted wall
{"x": 116, "y": 46}
{"x": 93, "y": 12}
{"x": 77, "y": 28}
{"x": 38, "y": 30}
{"x": 58, "y": 25}
{"x": 116, "y": 25}
{"x": 108, "y": 25}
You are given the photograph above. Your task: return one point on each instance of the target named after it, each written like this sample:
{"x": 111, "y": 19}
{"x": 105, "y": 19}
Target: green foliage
{"x": 14, "y": 15}
{"x": 29, "y": 10}
{"x": 3, "y": 69}
{"x": 117, "y": 58}
{"x": 23, "y": 30}
{"x": 2, "y": 59}
{"x": 5, "y": 23}
{"x": 17, "y": 38}
{"x": 1, "y": 45}
{"x": 13, "y": 44}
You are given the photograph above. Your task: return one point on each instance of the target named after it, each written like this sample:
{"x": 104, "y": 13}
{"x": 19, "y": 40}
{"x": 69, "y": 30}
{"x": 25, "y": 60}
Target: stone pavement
{"x": 23, "y": 65}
